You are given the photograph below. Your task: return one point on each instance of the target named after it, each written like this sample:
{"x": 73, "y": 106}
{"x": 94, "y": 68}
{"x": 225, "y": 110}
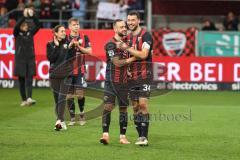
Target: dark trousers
{"x": 60, "y": 90}
{"x": 25, "y": 83}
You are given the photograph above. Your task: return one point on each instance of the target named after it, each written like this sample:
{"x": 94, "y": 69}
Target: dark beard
{"x": 121, "y": 35}
{"x": 135, "y": 28}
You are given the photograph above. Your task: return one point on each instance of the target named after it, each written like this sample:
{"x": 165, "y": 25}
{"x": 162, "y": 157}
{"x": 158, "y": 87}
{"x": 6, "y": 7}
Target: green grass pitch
{"x": 184, "y": 126}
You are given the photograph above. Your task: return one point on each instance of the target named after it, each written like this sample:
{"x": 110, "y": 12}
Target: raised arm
{"x": 37, "y": 25}
{"x": 16, "y": 29}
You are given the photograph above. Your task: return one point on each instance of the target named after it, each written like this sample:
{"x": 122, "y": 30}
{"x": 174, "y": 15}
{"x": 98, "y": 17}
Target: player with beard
{"x": 140, "y": 46}
{"x": 82, "y": 47}
{"x": 116, "y": 83}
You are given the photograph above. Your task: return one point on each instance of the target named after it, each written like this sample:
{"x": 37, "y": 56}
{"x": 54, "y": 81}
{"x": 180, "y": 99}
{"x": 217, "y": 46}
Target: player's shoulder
{"x": 147, "y": 37}
{"x": 109, "y": 42}
{"x": 146, "y": 34}
{"x": 110, "y": 45}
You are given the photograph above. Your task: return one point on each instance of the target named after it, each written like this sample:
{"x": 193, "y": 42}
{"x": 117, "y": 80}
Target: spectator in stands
{"x": 20, "y": 8}
{"x": 21, "y": 5}
{"x": 4, "y": 18}
{"x": 122, "y": 14}
{"x": 5, "y": 21}
{"x": 230, "y": 23}
{"x": 92, "y": 5}
{"x": 10, "y": 5}
{"x": 65, "y": 6}
{"x": 35, "y": 3}
{"x": 11, "y": 23}
{"x": 209, "y": 26}
{"x": 2, "y": 4}
{"x": 123, "y": 9}
{"x": 79, "y": 7}
{"x": 46, "y": 12}
{"x": 29, "y": 2}
{"x": 135, "y": 4}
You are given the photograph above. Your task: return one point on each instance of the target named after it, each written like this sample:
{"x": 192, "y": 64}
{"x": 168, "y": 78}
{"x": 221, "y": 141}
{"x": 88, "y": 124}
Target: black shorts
{"x": 139, "y": 88}
{"x": 76, "y": 83}
{"x": 113, "y": 91}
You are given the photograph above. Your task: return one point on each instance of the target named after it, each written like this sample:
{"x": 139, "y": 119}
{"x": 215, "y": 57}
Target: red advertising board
{"x": 179, "y": 69}
{"x": 198, "y": 69}
{"x": 98, "y": 38}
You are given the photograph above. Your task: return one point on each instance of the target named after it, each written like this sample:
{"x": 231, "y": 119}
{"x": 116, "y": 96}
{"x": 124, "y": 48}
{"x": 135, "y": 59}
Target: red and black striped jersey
{"x": 79, "y": 58}
{"x": 141, "y": 69}
{"x": 114, "y": 73}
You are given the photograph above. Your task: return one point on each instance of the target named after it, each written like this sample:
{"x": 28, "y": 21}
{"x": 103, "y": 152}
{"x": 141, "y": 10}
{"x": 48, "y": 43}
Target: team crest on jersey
{"x": 110, "y": 53}
{"x": 174, "y": 43}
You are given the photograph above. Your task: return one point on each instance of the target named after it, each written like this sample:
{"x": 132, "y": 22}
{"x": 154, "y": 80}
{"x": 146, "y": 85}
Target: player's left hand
{"x": 122, "y": 45}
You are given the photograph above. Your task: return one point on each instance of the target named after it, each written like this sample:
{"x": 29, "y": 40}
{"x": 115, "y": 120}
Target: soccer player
{"x": 82, "y": 47}
{"x": 59, "y": 56}
{"x": 116, "y": 83}
{"x": 24, "y": 62}
{"x": 140, "y": 47}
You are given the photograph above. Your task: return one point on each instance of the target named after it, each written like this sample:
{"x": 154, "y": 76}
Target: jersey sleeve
{"x": 147, "y": 41}
{"x": 87, "y": 42}
{"x": 111, "y": 50}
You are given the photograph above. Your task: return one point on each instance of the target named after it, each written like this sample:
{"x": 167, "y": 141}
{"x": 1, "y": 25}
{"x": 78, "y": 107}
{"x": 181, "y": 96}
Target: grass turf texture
{"x": 185, "y": 125}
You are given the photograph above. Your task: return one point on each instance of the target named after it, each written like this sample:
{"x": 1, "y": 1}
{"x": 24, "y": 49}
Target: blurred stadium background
{"x": 196, "y": 106}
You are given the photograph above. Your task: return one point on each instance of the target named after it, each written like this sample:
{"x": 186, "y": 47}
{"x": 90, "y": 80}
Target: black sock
{"x": 123, "y": 121}
{"x": 29, "y": 81}
{"x": 137, "y": 124}
{"x": 71, "y": 107}
{"x": 106, "y": 118}
{"x": 81, "y": 103}
{"x": 145, "y": 125}
{"x": 22, "y": 88}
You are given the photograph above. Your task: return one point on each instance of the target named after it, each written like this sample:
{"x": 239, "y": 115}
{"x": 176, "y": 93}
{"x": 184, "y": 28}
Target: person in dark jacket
{"x": 24, "y": 62}
{"x": 230, "y": 23}
{"x": 209, "y": 26}
{"x": 60, "y": 67}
